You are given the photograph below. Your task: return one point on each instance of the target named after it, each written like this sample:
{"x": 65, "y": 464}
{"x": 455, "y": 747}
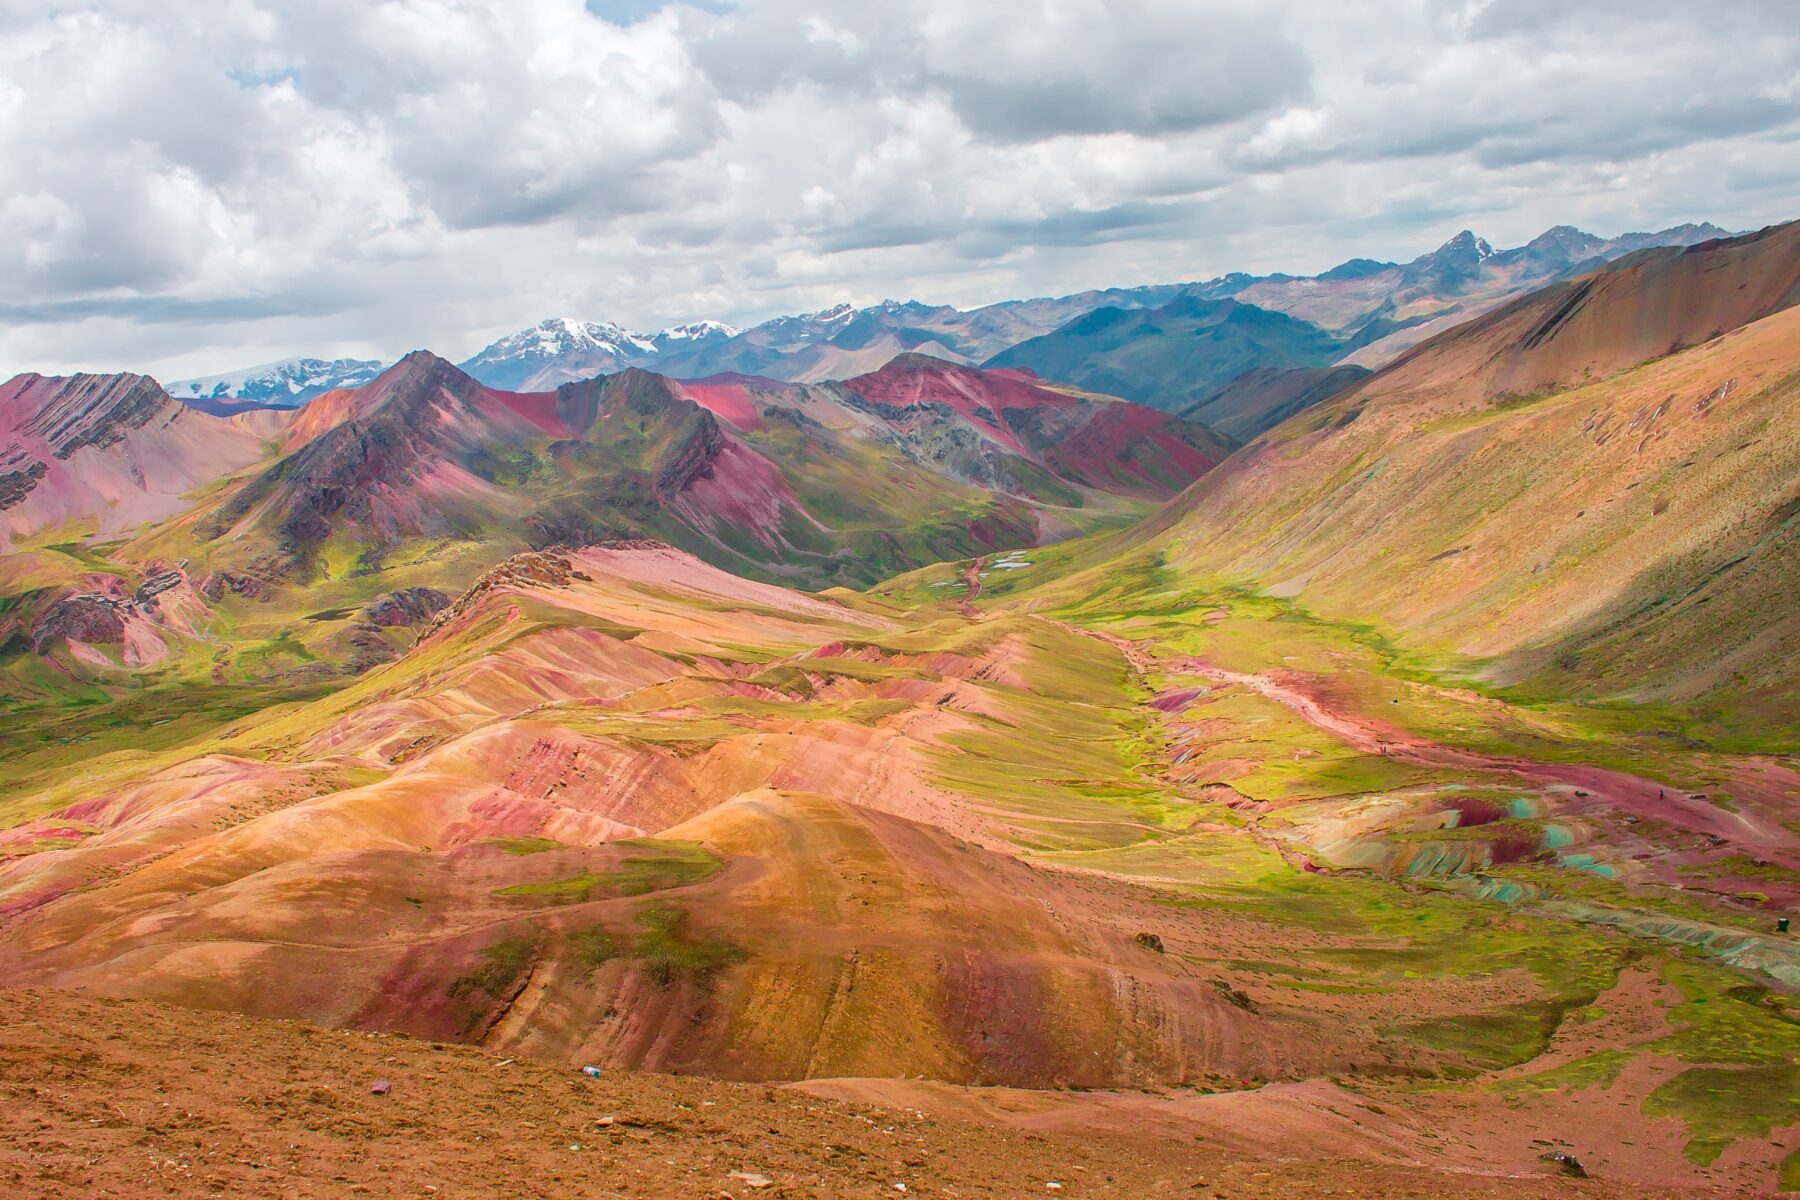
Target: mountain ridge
{"x": 1652, "y": 372}
{"x": 843, "y": 340}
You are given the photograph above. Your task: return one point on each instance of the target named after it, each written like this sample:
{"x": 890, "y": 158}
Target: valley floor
{"x": 1133, "y": 883}
{"x": 131, "y": 1098}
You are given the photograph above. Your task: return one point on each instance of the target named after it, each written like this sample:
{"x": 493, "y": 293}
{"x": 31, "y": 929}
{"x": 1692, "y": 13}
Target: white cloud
{"x": 196, "y": 186}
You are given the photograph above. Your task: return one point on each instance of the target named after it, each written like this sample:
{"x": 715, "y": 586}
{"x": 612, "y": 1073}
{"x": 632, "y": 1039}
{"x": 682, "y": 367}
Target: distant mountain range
{"x": 1361, "y": 313}
{"x": 563, "y": 349}
{"x": 284, "y": 384}
{"x": 821, "y": 483}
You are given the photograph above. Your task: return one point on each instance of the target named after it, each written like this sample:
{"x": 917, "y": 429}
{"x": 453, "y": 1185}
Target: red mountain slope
{"x": 1080, "y": 438}
{"x": 106, "y": 451}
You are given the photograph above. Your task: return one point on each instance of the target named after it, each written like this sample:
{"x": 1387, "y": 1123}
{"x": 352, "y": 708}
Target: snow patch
{"x": 288, "y": 383}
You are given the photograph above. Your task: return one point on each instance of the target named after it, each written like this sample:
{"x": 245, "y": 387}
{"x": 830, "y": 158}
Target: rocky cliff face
{"x": 19, "y": 473}
{"x": 692, "y": 457}
{"x": 56, "y": 416}
{"x": 105, "y": 452}
{"x": 408, "y": 606}
{"x": 93, "y": 410}
{"x": 90, "y": 617}
{"x": 550, "y": 567}
{"x": 103, "y": 617}
{"x": 370, "y": 640}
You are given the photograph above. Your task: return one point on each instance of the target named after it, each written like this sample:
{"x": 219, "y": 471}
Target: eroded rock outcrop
{"x": 551, "y": 567}
{"x": 401, "y": 609}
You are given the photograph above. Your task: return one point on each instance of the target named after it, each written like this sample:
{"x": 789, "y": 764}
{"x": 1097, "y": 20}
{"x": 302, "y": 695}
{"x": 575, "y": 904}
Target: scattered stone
{"x": 1149, "y": 941}
{"x": 1570, "y": 1165}
{"x": 382, "y": 1087}
{"x": 752, "y": 1179}
{"x": 1233, "y": 996}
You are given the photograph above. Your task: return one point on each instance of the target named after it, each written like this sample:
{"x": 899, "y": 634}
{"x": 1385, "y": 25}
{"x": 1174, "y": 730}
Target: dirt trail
{"x": 1609, "y": 789}
{"x": 130, "y": 1098}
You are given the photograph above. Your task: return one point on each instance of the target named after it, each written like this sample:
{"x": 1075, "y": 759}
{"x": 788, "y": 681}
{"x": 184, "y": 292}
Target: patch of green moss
{"x": 668, "y": 865}
{"x": 526, "y": 845}
{"x": 1595, "y": 1070}
{"x": 593, "y": 948}
{"x": 669, "y": 953}
{"x": 501, "y": 966}
{"x": 1722, "y": 1104}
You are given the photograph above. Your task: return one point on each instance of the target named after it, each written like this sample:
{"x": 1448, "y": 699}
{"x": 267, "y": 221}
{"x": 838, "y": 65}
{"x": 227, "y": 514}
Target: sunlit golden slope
{"x": 1594, "y": 487}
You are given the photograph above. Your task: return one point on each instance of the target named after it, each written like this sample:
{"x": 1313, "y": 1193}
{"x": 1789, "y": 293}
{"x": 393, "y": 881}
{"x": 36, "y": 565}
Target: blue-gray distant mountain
{"x": 564, "y": 349}
{"x": 1370, "y": 309}
{"x": 1170, "y": 356}
{"x": 833, "y": 343}
{"x": 285, "y": 384}
{"x": 1185, "y": 355}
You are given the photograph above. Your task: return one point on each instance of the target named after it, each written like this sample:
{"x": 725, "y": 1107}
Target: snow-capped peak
{"x": 696, "y": 331}
{"x": 289, "y": 382}
{"x": 561, "y": 334}
{"x": 558, "y": 350}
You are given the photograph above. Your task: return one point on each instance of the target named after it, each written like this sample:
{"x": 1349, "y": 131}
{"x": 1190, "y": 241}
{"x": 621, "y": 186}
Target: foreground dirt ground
{"x": 129, "y": 1098}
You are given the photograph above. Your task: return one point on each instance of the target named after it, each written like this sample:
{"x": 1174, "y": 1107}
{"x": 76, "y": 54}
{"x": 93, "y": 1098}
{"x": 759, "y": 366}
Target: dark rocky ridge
{"x": 97, "y": 410}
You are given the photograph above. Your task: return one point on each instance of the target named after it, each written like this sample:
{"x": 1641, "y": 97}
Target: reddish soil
{"x": 728, "y": 400}
{"x": 127, "y": 1098}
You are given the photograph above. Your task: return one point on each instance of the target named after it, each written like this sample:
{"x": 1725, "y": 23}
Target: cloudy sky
{"x": 212, "y": 183}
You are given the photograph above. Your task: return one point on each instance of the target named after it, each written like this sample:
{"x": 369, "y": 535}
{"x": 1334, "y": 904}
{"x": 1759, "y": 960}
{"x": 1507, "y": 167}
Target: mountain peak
{"x": 1466, "y": 242}
{"x": 694, "y": 331}
{"x": 912, "y": 360}
{"x": 414, "y": 374}
{"x": 1564, "y": 236}
{"x": 285, "y": 383}
{"x": 422, "y": 360}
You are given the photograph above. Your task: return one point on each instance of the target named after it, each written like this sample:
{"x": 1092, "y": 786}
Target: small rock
{"x": 606, "y": 1122}
{"x": 1568, "y": 1162}
{"x": 382, "y": 1087}
{"x": 752, "y": 1179}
